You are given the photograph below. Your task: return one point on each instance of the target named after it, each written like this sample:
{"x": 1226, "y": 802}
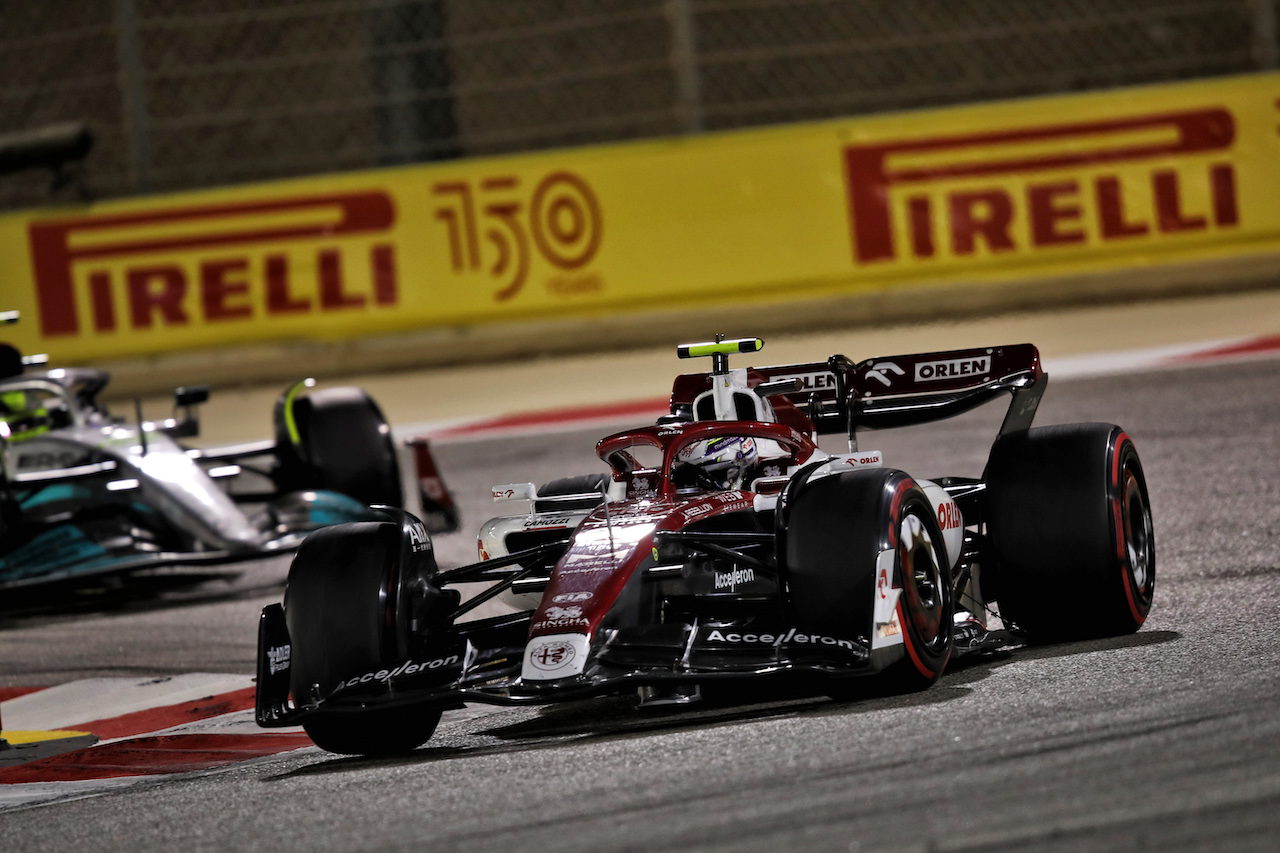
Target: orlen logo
{"x": 865, "y": 459}
{"x": 815, "y": 381}
{"x": 949, "y": 517}
{"x": 1055, "y": 209}
{"x": 955, "y": 368}
{"x": 229, "y": 282}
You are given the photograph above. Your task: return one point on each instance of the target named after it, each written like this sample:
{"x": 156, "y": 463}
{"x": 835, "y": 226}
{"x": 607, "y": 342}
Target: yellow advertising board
{"x": 1022, "y": 189}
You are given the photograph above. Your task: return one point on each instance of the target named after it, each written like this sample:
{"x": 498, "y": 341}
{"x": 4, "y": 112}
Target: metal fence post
{"x": 1265, "y": 49}
{"x": 137, "y": 130}
{"x": 684, "y": 63}
{"x": 413, "y": 112}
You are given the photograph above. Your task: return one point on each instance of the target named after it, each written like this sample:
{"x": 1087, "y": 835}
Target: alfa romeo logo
{"x": 549, "y": 656}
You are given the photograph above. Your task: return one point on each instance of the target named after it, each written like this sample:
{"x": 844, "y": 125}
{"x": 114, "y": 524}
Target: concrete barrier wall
{"x": 1020, "y": 193}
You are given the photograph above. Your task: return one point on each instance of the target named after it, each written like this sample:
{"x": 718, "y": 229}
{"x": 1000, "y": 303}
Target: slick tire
{"x": 336, "y": 611}
{"x": 837, "y": 526}
{"x": 345, "y": 445}
{"x": 1069, "y": 522}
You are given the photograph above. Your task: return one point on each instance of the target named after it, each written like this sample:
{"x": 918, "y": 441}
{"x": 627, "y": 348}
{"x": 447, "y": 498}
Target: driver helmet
{"x": 726, "y": 460}
{"x": 24, "y": 413}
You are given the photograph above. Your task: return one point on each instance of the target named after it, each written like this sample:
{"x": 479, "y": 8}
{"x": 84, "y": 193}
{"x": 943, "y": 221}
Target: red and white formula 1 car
{"x": 728, "y": 547}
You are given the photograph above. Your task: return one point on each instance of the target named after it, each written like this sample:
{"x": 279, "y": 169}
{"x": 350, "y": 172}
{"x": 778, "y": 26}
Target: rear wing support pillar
{"x": 1022, "y": 408}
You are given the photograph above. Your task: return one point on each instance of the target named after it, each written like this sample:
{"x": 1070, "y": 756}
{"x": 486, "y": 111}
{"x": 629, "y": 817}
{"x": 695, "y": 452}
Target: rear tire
{"x": 582, "y": 484}
{"x": 837, "y": 526}
{"x": 339, "y": 608}
{"x": 344, "y": 445}
{"x": 1069, "y": 521}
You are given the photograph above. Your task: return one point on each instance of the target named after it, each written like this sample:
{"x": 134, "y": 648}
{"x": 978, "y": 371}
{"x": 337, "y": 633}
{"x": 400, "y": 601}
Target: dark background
{"x": 193, "y": 93}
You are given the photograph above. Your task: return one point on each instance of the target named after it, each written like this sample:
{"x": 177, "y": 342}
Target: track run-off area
{"x": 132, "y": 705}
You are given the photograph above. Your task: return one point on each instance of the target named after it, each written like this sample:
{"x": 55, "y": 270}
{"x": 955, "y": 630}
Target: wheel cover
{"x": 922, "y": 581}
{"x": 1137, "y": 532}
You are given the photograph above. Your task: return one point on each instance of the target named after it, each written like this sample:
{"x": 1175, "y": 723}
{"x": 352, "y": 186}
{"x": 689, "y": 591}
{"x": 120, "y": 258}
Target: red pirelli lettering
{"x": 1111, "y": 212}
{"x": 1169, "y": 204}
{"x": 279, "y": 299}
{"x": 1225, "y": 210}
{"x": 987, "y": 214}
{"x": 871, "y": 174}
{"x": 921, "y": 215}
{"x": 1055, "y": 213}
{"x": 223, "y": 287}
{"x": 104, "y": 309}
{"x": 156, "y": 290}
{"x": 385, "y": 289}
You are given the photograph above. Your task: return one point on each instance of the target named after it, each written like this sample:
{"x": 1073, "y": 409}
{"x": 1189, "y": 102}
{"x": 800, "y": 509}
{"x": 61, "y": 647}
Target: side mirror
{"x": 192, "y": 396}
{"x": 185, "y": 398}
{"x": 667, "y": 551}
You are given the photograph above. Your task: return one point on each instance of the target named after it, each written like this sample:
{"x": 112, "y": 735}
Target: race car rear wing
{"x": 904, "y": 390}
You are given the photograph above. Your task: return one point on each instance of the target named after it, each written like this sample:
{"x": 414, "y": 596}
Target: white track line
{"x": 91, "y": 699}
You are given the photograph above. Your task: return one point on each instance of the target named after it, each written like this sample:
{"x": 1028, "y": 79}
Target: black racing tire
{"x": 1069, "y": 522}
{"x": 344, "y": 445}
{"x": 339, "y": 612}
{"x": 837, "y": 526}
{"x": 580, "y": 485}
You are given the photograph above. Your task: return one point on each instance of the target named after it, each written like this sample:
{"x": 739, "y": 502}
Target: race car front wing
{"x": 481, "y": 661}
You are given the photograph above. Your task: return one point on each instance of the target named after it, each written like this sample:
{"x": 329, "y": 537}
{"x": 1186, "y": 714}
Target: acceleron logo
{"x": 214, "y": 263}
{"x": 1041, "y": 187}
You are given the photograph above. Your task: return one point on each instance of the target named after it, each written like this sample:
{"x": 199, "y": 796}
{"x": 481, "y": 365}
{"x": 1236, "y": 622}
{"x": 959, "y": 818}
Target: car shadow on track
{"x": 1127, "y": 641}
{"x": 616, "y": 718}
{"x": 974, "y": 669}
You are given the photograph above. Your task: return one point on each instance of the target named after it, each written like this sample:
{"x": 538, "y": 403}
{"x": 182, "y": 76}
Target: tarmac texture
{"x": 1162, "y": 740}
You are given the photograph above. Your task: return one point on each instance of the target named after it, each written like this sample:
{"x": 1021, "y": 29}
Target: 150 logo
{"x": 493, "y": 226}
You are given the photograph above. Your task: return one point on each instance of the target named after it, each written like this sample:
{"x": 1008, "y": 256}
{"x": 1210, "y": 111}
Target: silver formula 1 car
{"x": 85, "y": 494}
{"x": 724, "y": 546}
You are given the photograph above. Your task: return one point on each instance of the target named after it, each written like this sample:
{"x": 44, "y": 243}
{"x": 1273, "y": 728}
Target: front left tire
{"x": 341, "y": 610}
{"x": 836, "y": 529}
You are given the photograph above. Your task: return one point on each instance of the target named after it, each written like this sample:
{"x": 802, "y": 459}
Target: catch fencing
{"x": 192, "y": 93}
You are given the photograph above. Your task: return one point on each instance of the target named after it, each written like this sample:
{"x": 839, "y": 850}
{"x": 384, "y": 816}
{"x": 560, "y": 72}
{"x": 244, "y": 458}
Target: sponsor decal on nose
{"x": 555, "y": 656}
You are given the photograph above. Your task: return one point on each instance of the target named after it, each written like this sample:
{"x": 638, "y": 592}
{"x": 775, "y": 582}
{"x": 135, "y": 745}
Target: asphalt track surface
{"x": 1164, "y": 740}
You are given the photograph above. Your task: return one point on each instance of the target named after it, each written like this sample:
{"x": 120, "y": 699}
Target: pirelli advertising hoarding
{"x": 1022, "y": 190}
